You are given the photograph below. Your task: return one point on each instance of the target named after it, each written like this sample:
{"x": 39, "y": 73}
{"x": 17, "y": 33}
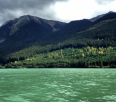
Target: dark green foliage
{"x": 8, "y": 65}
{"x": 70, "y": 58}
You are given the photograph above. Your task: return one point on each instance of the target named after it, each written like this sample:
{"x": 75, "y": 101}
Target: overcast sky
{"x": 61, "y": 10}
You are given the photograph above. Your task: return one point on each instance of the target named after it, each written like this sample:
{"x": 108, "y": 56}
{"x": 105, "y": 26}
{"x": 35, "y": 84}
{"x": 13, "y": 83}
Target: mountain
{"x": 35, "y": 35}
{"x": 93, "y": 47}
{"x": 66, "y": 32}
{"x": 96, "y": 18}
{"x": 30, "y": 41}
{"x": 102, "y": 34}
{"x": 16, "y": 34}
{"x": 28, "y": 30}
{"x": 69, "y": 30}
{"x": 100, "y": 16}
{"x": 109, "y": 15}
{"x": 28, "y": 26}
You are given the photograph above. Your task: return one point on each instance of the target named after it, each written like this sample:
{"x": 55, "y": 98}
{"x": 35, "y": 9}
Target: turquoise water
{"x": 57, "y": 85}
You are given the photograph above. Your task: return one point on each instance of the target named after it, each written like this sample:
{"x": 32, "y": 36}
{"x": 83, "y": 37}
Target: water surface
{"x": 57, "y": 85}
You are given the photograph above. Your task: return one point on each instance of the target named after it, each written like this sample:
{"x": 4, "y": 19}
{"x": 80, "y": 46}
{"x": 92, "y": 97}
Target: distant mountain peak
{"x": 111, "y": 12}
{"x": 29, "y": 18}
{"x": 100, "y": 16}
{"x": 29, "y": 25}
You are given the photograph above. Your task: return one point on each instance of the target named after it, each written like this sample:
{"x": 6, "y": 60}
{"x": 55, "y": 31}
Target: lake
{"x": 58, "y": 85}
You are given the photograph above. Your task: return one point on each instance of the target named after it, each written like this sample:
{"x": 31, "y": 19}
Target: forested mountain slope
{"x": 66, "y": 32}
{"x": 100, "y": 16}
{"x": 47, "y": 36}
{"x": 100, "y": 34}
{"x": 109, "y": 15}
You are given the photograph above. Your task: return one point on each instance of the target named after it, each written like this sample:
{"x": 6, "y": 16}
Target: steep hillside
{"x": 109, "y": 15}
{"x": 96, "y": 18}
{"x": 16, "y": 34}
{"x": 99, "y": 16}
{"x": 66, "y": 32}
{"x": 44, "y": 33}
{"x": 27, "y": 25}
{"x": 5, "y": 30}
{"x": 100, "y": 34}
{"x": 73, "y": 27}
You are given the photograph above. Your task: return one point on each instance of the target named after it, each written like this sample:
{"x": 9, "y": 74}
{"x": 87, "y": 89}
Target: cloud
{"x": 103, "y": 2}
{"x": 80, "y": 9}
{"x": 10, "y": 9}
{"x": 11, "y": 4}
{"x": 62, "y": 10}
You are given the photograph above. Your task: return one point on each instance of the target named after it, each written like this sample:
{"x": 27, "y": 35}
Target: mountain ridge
{"x": 14, "y": 26}
{"x": 99, "y": 16}
{"x": 21, "y": 34}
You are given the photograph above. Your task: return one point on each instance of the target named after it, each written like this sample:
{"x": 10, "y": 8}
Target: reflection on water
{"x": 57, "y": 85}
